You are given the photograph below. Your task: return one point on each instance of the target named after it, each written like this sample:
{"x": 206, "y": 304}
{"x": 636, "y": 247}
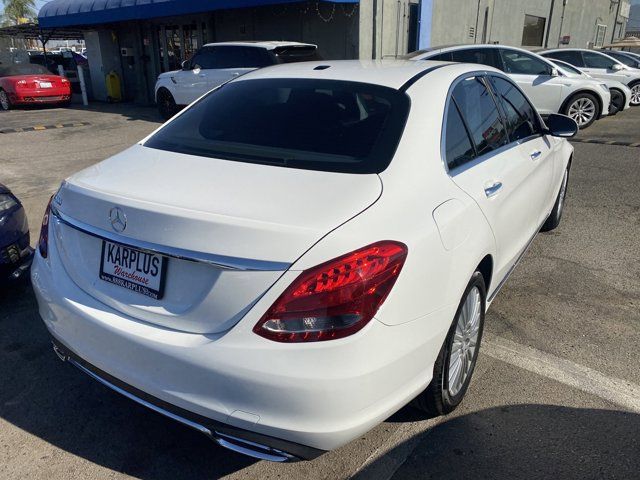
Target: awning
{"x": 67, "y": 13}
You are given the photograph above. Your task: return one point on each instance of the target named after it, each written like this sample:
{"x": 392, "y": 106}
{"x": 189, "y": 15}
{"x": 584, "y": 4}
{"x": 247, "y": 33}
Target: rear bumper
{"x": 40, "y": 97}
{"x": 242, "y": 441}
{"x": 15, "y": 261}
{"x": 300, "y": 399}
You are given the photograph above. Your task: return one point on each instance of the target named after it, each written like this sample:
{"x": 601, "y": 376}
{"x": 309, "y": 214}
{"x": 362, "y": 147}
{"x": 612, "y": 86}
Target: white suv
{"x": 601, "y": 66}
{"x": 550, "y": 91}
{"x": 217, "y": 63}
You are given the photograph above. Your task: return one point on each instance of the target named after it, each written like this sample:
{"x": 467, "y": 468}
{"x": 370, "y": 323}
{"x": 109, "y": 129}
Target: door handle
{"x": 535, "y": 155}
{"x": 202, "y": 75}
{"x": 236, "y": 74}
{"x": 493, "y": 189}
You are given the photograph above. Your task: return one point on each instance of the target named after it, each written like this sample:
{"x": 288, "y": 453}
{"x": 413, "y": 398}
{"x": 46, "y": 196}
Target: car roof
{"x": 388, "y": 73}
{"x": 268, "y": 45}
{"x": 451, "y": 48}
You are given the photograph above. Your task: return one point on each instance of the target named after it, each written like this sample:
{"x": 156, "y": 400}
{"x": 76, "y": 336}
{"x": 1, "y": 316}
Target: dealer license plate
{"x": 133, "y": 269}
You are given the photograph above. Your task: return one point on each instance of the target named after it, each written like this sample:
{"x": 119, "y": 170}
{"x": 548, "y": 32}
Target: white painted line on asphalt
{"x": 615, "y": 390}
{"x": 385, "y": 461}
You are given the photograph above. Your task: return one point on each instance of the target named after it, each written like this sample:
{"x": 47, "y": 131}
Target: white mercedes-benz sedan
{"x": 304, "y": 250}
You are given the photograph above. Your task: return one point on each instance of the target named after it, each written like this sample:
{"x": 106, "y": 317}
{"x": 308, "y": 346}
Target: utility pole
{"x": 546, "y": 40}
{"x": 564, "y": 6}
{"x": 615, "y": 21}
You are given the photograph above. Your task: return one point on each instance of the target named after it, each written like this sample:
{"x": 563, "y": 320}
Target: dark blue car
{"x": 15, "y": 251}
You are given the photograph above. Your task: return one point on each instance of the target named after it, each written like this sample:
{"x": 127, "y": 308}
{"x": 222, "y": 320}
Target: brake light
{"x": 43, "y": 242}
{"x": 335, "y": 299}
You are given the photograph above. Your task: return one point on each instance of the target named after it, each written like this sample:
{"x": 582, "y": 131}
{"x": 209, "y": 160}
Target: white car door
{"x": 603, "y": 67}
{"x": 191, "y": 81}
{"x": 535, "y": 77}
{"x": 507, "y": 183}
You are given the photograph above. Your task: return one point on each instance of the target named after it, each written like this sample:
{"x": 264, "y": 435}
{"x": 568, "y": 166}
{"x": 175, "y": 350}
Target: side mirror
{"x": 186, "y": 65}
{"x": 561, "y": 126}
{"x": 617, "y": 67}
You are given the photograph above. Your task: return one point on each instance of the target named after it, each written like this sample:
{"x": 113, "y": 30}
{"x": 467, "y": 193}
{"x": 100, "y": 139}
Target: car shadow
{"x": 58, "y": 404}
{"x": 519, "y": 441}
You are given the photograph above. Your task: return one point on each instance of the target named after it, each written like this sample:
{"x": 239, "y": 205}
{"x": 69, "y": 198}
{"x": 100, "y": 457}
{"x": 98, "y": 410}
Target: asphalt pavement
{"x": 556, "y": 393}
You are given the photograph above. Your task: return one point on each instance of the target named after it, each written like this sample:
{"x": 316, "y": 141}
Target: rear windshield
{"x": 22, "y": 69}
{"x": 334, "y": 126}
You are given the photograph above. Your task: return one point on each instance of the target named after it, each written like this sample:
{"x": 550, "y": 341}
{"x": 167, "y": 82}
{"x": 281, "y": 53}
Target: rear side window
{"x": 459, "y": 149}
{"x": 522, "y": 120}
{"x": 523, "y": 64}
{"x": 328, "y": 125}
{"x": 480, "y": 112}
{"x": 231, "y": 57}
{"x": 483, "y": 56}
{"x": 443, "y": 57}
{"x": 572, "y": 57}
{"x": 595, "y": 60}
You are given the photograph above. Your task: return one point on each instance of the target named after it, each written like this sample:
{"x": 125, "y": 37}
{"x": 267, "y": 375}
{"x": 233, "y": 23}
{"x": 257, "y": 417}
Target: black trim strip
{"x": 296, "y": 449}
{"x": 405, "y": 86}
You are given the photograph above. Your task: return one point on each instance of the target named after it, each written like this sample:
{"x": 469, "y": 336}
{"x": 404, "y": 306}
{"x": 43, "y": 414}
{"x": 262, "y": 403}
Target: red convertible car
{"x": 22, "y": 84}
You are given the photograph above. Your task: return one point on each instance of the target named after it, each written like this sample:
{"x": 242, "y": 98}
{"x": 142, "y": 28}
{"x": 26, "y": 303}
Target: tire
{"x": 167, "y": 106}
{"x": 556, "y": 214}
{"x": 5, "y": 103}
{"x": 445, "y": 392}
{"x": 635, "y": 93}
{"x": 583, "y": 108}
{"x": 617, "y": 102}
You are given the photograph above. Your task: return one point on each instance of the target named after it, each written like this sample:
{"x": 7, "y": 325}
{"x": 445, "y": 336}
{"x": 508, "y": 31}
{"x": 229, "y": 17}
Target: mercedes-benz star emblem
{"x": 118, "y": 219}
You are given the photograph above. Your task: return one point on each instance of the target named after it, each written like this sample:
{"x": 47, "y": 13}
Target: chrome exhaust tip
{"x": 61, "y": 354}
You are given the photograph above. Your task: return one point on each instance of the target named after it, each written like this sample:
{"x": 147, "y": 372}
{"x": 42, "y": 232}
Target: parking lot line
{"x": 615, "y": 390}
{"x": 393, "y": 453}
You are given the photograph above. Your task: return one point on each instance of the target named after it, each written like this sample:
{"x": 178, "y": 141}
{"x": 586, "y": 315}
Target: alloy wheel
{"x": 465, "y": 341}
{"x": 583, "y": 110}
{"x": 4, "y": 100}
{"x": 635, "y": 94}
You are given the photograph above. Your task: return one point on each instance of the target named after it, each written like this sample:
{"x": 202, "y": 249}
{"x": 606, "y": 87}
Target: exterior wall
{"x": 389, "y": 23}
{"x": 463, "y": 21}
{"x": 333, "y": 27}
{"x": 103, "y": 56}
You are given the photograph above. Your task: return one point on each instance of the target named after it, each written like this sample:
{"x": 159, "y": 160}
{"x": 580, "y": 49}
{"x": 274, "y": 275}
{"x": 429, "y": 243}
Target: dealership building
{"x": 139, "y": 39}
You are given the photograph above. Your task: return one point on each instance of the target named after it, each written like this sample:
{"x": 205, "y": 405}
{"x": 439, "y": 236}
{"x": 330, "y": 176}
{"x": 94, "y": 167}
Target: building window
{"x": 601, "y": 31}
{"x": 533, "y": 32}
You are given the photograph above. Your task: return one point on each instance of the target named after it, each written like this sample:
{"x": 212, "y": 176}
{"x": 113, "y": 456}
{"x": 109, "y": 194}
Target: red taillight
{"x": 335, "y": 299}
{"x": 43, "y": 242}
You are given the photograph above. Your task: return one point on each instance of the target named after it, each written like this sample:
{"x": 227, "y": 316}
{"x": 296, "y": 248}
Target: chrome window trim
{"x": 488, "y": 155}
{"x": 218, "y": 261}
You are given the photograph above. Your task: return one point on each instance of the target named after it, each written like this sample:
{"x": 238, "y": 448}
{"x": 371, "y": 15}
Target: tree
{"x": 17, "y": 10}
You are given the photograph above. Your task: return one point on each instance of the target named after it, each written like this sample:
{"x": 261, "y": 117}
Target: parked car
{"x": 624, "y": 57}
{"x": 15, "y": 251}
{"x": 620, "y": 93}
{"x": 582, "y": 99}
{"x": 217, "y": 63}
{"x": 600, "y": 66}
{"x": 261, "y": 286}
{"x": 27, "y": 84}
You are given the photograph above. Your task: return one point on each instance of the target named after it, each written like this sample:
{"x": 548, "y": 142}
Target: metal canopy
{"x": 32, "y": 31}
{"x": 67, "y": 13}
